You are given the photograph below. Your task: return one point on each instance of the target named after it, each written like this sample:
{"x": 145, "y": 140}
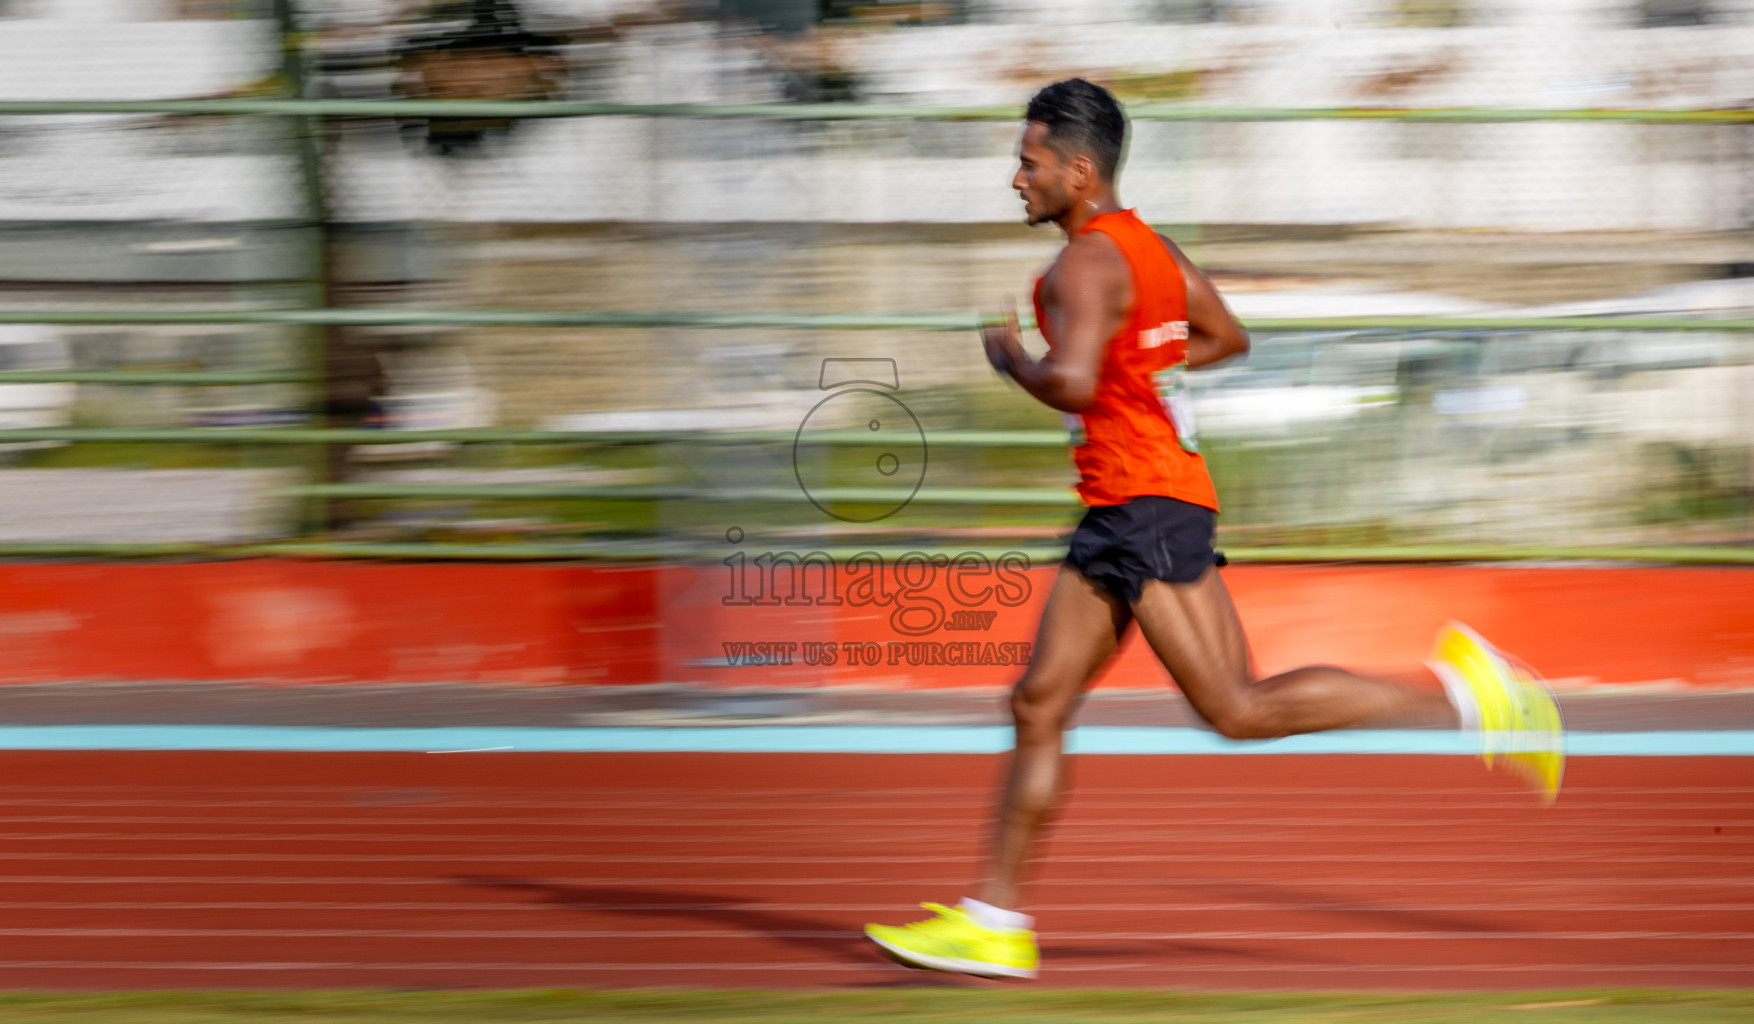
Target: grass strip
{"x": 910, "y": 1004}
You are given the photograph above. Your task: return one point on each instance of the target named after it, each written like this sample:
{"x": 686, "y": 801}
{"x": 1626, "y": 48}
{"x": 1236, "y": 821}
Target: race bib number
{"x": 1178, "y": 402}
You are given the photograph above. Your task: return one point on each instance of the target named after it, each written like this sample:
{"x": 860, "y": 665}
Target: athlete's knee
{"x": 1038, "y": 708}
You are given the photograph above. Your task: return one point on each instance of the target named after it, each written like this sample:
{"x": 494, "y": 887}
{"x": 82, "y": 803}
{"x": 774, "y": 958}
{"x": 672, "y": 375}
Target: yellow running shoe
{"x": 1520, "y": 726}
{"x": 952, "y": 941}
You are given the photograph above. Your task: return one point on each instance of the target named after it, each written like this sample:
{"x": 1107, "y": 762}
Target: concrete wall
{"x": 1526, "y": 177}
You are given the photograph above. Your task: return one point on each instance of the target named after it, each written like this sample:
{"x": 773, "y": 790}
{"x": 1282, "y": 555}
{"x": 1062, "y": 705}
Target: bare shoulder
{"x": 1093, "y": 251}
{"x": 1088, "y": 261}
{"x": 1176, "y": 251}
{"x": 1085, "y": 261}
{"x": 1207, "y": 310}
{"x": 1195, "y": 277}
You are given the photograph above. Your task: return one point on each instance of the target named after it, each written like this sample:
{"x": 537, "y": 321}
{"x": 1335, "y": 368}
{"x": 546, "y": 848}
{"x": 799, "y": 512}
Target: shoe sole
{"x": 954, "y": 965}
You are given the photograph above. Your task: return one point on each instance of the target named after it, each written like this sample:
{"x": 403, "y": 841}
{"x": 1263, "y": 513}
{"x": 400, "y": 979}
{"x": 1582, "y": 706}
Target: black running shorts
{"x": 1119, "y": 547}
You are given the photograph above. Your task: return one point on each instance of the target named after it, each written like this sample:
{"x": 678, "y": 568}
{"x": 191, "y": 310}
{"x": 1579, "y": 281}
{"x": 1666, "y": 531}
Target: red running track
{"x": 235, "y": 870}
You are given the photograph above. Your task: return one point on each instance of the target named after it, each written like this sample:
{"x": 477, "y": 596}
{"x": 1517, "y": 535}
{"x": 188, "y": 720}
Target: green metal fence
{"x": 318, "y": 315}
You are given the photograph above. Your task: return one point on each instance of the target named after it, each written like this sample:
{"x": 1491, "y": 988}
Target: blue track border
{"x": 807, "y": 739}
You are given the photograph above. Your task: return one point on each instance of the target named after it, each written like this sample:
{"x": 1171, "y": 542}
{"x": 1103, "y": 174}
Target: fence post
{"x": 308, "y": 132}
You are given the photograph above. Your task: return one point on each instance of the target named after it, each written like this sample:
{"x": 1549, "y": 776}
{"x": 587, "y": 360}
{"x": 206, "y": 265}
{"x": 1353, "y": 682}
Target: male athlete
{"x": 1122, "y": 309}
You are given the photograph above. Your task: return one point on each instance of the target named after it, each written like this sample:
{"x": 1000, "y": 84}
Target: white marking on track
{"x": 1165, "y": 825}
{"x": 1180, "y": 968}
{"x": 686, "y": 790}
{"x": 1275, "y": 908}
{"x": 1164, "y": 881}
{"x": 1191, "y": 840}
{"x": 465, "y": 965}
{"x": 415, "y": 815}
{"x": 1178, "y": 859}
{"x": 734, "y": 931}
{"x": 470, "y": 750}
{"x": 853, "y": 798}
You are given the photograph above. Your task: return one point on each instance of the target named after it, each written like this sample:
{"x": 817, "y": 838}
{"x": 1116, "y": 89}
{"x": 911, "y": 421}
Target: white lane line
{"x": 803, "y": 825}
{"x": 540, "y": 791}
{"x": 447, "y": 966}
{"x": 1177, "y": 859}
{"x": 470, "y": 750}
{"x": 1504, "y": 935}
{"x": 827, "y": 791}
{"x": 1631, "y": 971}
{"x": 730, "y": 814}
{"x": 1167, "y": 824}
{"x": 1083, "y": 830}
{"x": 1180, "y": 968}
{"x": 1307, "y": 883}
{"x": 852, "y": 796}
{"x": 1080, "y": 816}
{"x": 831, "y": 839}
{"x": 732, "y": 904}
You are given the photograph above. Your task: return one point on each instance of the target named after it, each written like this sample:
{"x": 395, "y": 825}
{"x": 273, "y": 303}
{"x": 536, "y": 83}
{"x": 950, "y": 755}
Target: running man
{"x": 1124, "y": 311}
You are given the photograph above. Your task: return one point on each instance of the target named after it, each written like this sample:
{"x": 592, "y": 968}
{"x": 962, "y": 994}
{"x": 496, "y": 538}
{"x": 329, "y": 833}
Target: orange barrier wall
{"x": 318, "y": 622}
{"x": 341, "y": 622}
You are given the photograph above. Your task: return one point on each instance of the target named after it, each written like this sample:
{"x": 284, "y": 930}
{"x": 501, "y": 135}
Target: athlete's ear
{"x": 1082, "y": 173}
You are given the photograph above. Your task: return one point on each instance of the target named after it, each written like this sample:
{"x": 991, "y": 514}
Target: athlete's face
{"x": 1042, "y": 180}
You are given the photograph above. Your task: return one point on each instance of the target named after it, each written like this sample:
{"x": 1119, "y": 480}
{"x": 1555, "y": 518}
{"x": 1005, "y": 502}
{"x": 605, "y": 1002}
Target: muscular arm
{"x": 1091, "y": 290}
{"x": 1213, "y": 333}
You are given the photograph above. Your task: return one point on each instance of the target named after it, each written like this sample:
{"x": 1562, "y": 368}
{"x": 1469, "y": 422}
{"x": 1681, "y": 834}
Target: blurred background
{"x": 484, "y": 362}
{"x": 1468, "y": 418}
{"x": 455, "y": 352}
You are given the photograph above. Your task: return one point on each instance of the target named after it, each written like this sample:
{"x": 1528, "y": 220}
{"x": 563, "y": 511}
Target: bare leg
{"x": 1195, "y": 631}
{"x": 1079, "y": 630}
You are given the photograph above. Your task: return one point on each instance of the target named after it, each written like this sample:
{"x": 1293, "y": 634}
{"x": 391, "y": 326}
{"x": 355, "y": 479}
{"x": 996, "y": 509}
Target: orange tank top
{"x": 1136, "y": 436}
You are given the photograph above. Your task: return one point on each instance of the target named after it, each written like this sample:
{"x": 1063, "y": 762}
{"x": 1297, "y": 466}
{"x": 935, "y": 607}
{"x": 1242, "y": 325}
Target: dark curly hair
{"x": 1082, "y": 118}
